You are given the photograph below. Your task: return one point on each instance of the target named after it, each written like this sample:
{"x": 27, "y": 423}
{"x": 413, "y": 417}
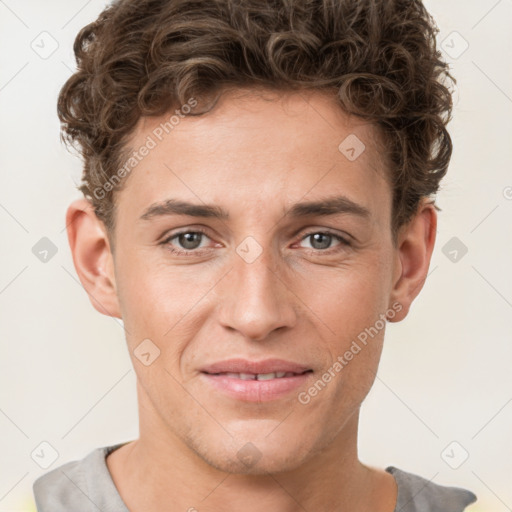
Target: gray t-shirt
{"x": 87, "y": 486}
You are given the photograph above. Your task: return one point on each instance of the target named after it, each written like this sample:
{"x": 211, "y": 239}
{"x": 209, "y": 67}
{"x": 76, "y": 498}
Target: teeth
{"x": 259, "y": 376}
{"x": 231, "y": 375}
{"x": 266, "y": 376}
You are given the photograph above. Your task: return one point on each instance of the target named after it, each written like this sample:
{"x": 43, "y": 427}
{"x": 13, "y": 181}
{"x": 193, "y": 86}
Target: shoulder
{"x": 417, "y": 494}
{"x": 82, "y": 485}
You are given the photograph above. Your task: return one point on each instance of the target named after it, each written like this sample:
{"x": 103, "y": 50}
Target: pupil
{"x": 317, "y": 237}
{"x": 188, "y": 242}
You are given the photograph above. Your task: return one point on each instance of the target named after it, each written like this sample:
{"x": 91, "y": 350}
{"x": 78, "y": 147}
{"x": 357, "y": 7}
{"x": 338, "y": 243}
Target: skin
{"x": 254, "y": 155}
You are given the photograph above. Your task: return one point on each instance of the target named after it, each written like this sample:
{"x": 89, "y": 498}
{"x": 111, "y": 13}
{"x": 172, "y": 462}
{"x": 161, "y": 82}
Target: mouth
{"x": 248, "y": 367}
{"x": 255, "y": 381}
{"x": 258, "y": 376}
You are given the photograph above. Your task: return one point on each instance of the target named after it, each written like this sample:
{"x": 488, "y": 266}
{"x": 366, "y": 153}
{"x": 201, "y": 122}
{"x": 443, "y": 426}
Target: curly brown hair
{"x": 145, "y": 57}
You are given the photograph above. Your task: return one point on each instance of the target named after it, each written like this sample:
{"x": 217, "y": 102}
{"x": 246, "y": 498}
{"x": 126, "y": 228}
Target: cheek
{"x": 162, "y": 303}
{"x": 350, "y": 303}
{"x": 151, "y": 295}
{"x": 350, "y": 298}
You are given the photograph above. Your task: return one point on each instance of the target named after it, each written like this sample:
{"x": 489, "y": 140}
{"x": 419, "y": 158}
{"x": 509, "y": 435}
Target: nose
{"x": 255, "y": 299}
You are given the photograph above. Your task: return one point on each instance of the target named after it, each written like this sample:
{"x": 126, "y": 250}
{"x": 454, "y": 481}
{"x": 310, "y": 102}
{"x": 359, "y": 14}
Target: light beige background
{"x": 445, "y": 376}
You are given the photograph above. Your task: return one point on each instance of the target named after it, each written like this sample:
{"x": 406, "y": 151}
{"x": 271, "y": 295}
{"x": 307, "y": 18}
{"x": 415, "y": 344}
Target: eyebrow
{"x": 329, "y": 206}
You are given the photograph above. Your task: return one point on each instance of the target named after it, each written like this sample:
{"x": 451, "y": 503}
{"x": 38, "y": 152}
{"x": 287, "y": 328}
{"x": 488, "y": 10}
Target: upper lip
{"x": 256, "y": 367}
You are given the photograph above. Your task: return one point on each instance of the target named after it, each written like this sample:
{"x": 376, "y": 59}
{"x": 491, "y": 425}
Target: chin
{"x": 264, "y": 463}
{"x": 257, "y": 454}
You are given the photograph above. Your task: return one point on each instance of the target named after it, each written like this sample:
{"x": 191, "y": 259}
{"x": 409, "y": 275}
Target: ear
{"x": 92, "y": 256}
{"x": 415, "y": 245}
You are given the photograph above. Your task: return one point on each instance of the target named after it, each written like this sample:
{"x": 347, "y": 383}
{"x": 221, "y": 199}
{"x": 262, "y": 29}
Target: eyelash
{"x": 344, "y": 243}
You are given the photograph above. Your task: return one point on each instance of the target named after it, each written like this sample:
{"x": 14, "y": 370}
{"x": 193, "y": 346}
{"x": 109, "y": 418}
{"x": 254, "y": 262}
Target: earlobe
{"x": 92, "y": 256}
{"x": 415, "y": 246}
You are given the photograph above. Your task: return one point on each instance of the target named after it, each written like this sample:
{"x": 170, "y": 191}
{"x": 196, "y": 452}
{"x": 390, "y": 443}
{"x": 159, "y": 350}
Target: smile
{"x": 258, "y": 376}
{"x": 260, "y": 387}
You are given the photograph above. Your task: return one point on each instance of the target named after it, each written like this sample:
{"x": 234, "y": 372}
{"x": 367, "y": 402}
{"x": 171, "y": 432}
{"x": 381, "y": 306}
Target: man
{"x": 258, "y": 204}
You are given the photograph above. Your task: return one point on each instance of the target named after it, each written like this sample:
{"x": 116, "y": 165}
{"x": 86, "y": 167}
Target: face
{"x": 257, "y": 274}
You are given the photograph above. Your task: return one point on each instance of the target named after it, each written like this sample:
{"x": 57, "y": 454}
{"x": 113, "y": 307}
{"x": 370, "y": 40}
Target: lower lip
{"x": 256, "y": 390}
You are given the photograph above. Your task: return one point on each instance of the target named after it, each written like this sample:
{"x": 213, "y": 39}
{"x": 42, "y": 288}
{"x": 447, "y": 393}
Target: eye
{"x": 187, "y": 241}
{"x": 321, "y": 240}
{"x": 190, "y": 242}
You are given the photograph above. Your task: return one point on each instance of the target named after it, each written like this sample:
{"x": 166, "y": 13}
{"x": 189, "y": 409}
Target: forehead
{"x": 259, "y": 148}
